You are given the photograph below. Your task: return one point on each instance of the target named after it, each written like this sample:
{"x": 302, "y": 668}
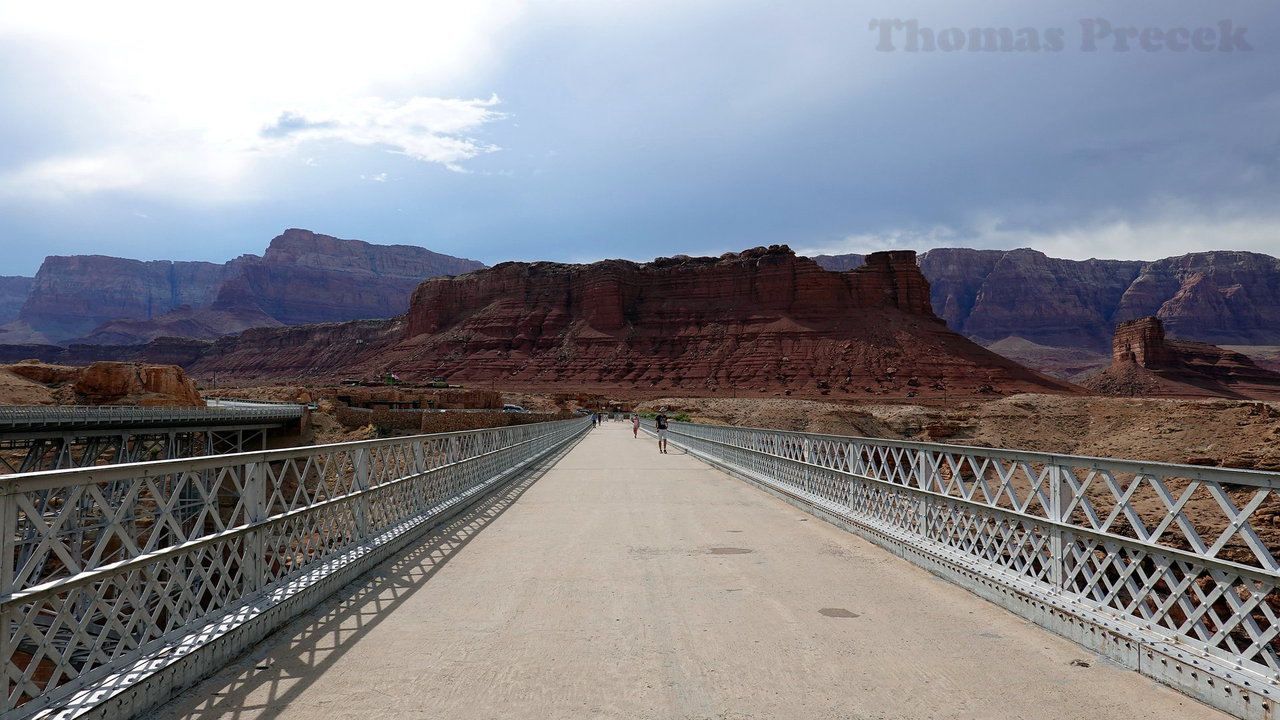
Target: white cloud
{"x": 428, "y": 129}
{"x": 1116, "y": 239}
{"x": 164, "y": 108}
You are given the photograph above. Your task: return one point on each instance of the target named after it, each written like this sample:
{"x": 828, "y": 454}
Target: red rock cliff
{"x": 1223, "y": 296}
{"x": 13, "y": 292}
{"x": 761, "y": 321}
{"x": 72, "y": 295}
{"x": 309, "y": 278}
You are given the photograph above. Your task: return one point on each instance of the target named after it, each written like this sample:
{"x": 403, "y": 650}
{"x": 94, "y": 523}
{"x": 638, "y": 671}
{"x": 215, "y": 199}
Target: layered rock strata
{"x": 13, "y": 292}
{"x": 302, "y": 278}
{"x": 1224, "y": 297}
{"x": 761, "y": 321}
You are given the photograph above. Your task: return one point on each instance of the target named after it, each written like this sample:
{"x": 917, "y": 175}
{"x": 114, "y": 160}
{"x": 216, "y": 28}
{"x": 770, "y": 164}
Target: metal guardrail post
{"x": 8, "y": 542}
{"x": 8, "y": 546}
{"x": 1058, "y": 517}
{"x": 360, "y": 478}
{"x": 925, "y": 501}
{"x": 255, "y": 508}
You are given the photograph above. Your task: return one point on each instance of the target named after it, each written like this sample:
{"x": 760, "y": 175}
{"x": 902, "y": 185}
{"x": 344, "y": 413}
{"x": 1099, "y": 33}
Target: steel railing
{"x": 23, "y": 417}
{"x": 1168, "y": 568}
{"x": 106, "y": 569}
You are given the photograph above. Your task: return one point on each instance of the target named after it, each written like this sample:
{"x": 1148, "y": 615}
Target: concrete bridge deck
{"x": 621, "y": 583}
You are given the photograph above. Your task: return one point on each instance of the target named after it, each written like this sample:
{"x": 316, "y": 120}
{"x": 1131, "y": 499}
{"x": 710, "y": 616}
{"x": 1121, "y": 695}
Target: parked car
{"x": 513, "y": 409}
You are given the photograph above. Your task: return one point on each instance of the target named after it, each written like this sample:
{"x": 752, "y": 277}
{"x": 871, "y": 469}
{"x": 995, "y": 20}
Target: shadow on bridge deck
{"x": 628, "y": 584}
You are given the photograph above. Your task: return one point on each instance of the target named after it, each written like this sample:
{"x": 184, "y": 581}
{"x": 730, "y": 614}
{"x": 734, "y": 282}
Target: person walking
{"x": 661, "y": 421}
{"x": 635, "y": 425}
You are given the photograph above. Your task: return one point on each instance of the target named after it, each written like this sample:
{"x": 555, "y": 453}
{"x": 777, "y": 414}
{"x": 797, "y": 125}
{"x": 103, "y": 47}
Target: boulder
{"x": 114, "y": 383}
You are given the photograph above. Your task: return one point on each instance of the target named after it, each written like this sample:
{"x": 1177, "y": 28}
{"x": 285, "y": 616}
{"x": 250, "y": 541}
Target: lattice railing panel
{"x": 1186, "y": 554}
{"x": 103, "y": 565}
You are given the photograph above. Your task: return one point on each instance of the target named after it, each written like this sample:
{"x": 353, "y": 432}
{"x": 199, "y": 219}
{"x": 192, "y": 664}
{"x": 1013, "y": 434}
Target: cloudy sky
{"x": 582, "y": 129}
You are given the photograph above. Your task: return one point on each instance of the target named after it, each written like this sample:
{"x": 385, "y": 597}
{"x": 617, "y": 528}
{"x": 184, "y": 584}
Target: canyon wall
{"x": 1221, "y": 297}
{"x": 302, "y": 278}
{"x": 72, "y": 295}
{"x": 1224, "y": 297}
{"x": 13, "y": 292}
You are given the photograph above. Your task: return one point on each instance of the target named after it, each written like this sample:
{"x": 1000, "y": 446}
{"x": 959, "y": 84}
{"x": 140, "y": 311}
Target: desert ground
{"x": 1225, "y": 433}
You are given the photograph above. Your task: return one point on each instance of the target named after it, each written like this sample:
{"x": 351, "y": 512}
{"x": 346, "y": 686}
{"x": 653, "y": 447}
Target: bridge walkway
{"x": 622, "y": 583}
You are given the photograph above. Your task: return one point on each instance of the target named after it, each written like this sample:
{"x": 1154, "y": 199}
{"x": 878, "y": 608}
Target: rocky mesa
{"x": 303, "y": 277}
{"x": 1224, "y": 297}
{"x": 760, "y": 321}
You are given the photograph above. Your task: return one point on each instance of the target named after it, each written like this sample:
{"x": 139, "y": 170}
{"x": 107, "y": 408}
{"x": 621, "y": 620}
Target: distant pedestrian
{"x": 595, "y": 419}
{"x": 635, "y": 425}
{"x": 661, "y": 421}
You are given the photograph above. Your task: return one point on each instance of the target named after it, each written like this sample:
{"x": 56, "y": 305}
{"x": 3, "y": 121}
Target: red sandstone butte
{"x": 1146, "y": 363}
{"x": 113, "y": 383}
{"x": 760, "y": 321}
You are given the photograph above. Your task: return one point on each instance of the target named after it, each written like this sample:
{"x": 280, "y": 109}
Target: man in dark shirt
{"x": 661, "y": 421}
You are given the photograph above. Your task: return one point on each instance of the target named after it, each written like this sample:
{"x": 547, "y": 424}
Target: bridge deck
{"x": 628, "y": 584}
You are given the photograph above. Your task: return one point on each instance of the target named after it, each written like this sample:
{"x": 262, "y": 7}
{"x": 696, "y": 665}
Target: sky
{"x": 577, "y": 130}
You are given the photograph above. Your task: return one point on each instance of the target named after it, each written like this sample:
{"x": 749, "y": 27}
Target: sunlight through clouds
{"x": 170, "y": 110}
{"x": 432, "y": 130}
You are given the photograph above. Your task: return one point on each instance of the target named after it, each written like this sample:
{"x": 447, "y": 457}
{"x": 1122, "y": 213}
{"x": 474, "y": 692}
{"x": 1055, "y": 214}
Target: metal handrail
{"x": 194, "y": 541}
{"x": 1168, "y": 558}
{"x": 85, "y": 416}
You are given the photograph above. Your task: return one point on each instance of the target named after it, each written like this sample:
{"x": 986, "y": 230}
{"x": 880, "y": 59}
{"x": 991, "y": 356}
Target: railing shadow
{"x": 318, "y": 639}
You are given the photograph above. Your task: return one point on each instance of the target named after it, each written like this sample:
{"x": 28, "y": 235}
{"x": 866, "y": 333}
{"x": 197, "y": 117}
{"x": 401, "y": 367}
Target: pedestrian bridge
{"x": 560, "y": 571}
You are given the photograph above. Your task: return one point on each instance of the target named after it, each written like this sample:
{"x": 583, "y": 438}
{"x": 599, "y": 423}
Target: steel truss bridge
{"x": 120, "y": 585}
{"x": 57, "y": 437}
